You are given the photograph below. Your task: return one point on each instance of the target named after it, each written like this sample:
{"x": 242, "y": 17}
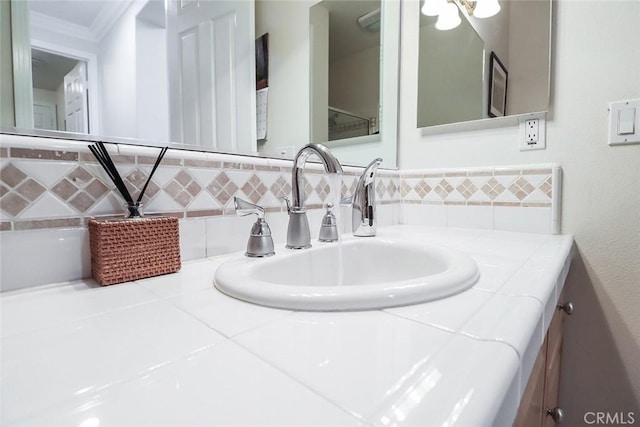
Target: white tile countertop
{"x": 173, "y": 350}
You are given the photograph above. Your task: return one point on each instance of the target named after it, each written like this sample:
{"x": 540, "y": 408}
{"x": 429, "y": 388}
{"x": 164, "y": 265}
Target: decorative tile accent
{"x": 521, "y": 188}
{"x": 80, "y": 189}
{"x": 193, "y": 184}
{"x": 493, "y": 188}
{"x": 254, "y": 189}
{"x": 183, "y": 188}
{"x": 280, "y": 188}
{"x": 222, "y": 188}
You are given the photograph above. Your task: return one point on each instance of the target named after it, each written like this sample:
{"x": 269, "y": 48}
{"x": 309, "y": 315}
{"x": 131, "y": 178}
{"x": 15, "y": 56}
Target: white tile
{"x": 439, "y": 393}
{"x": 49, "y": 306}
{"x": 45, "y": 368}
{"x": 278, "y": 223}
{"x": 48, "y": 206}
{"x": 494, "y": 271}
{"x": 433, "y": 215}
{"x": 110, "y": 204}
{"x": 449, "y": 313}
{"x": 204, "y": 201}
{"x": 48, "y": 174}
{"x": 163, "y": 202}
{"x": 226, "y": 234}
{"x": 470, "y": 216}
{"x": 192, "y": 239}
{"x": 38, "y": 257}
{"x": 527, "y": 220}
{"x": 220, "y": 386}
{"x": 516, "y": 321}
{"x": 164, "y": 174}
{"x": 226, "y": 315}
{"x": 194, "y": 276}
{"x": 355, "y": 360}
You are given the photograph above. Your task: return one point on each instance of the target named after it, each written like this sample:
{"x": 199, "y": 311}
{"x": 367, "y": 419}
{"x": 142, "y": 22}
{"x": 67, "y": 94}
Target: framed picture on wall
{"x": 498, "y": 79}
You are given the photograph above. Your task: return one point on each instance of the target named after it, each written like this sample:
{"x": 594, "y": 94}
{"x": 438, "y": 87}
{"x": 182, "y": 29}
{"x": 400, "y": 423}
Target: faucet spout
{"x": 329, "y": 161}
{"x": 298, "y": 234}
{"x": 363, "y": 213}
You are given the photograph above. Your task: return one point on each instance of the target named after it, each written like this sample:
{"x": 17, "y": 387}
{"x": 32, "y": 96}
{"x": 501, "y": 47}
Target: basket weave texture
{"x": 125, "y": 250}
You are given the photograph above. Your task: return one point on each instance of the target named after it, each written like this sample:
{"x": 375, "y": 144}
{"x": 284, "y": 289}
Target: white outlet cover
{"x": 541, "y": 144}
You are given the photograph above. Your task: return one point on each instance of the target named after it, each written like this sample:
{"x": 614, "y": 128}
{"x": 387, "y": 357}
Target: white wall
{"x": 451, "y": 68}
{"x": 152, "y": 95}
{"x": 287, "y": 23}
{"x": 117, "y": 76}
{"x": 527, "y": 66}
{"x": 601, "y": 207}
{"x": 354, "y": 83}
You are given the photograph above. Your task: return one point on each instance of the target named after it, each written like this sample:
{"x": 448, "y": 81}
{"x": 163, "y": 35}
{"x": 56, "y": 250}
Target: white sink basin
{"x": 358, "y": 274}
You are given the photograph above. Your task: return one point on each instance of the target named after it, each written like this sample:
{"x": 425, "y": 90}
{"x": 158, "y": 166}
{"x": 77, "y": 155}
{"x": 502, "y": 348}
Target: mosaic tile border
{"x": 514, "y": 187}
{"x": 49, "y": 188}
{"x": 42, "y": 189}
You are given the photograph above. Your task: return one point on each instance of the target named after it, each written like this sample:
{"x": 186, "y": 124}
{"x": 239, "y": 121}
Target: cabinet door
{"x": 531, "y": 410}
{"x": 554, "y": 356}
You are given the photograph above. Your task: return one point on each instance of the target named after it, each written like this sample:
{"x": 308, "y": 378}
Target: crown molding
{"x": 108, "y": 16}
{"x": 50, "y": 24}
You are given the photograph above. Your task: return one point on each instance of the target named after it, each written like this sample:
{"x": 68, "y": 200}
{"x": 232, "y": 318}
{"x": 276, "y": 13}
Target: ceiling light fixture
{"x": 449, "y": 16}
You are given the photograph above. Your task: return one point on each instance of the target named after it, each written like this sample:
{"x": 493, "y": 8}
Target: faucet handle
{"x": 244, "y": 208}
{"x": 260, "y": 242}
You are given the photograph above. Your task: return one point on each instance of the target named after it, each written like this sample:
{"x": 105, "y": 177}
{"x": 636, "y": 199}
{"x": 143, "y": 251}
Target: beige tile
{"x": 194, "y": 188}
{"x": 81, "y": 201}
{"x": 183, "y": 178}
{"x": 3, "y": 190}
{"x": 210, "y": 164}
{"x": 11, "y": 176}
{"x": 27, "y": 153}
{"x": 65, "y": 189}
{"x": 493, "y": 188}
{"x": 96, "y": 189}
{"x": 137, "y": 178}
{"x": 30, "y": 189}
{"x": 467, "y": 188}
{"x": 536, "y": 172}
{"x": 513, "y": 204}
{"x": 5, "y": 226}
{"x": 48, "y": 223}
{"x": 204, "y": 213}
{"x": 173, "y": 188}
{"x": 13, "y": 204}
{"x": 183, "y": 198}
{"x": 80, "y": 176}
{"x": 166, "y": 161}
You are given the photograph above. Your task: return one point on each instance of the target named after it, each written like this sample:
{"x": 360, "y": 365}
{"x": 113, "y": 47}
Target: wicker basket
{"x": 130, "y": 249}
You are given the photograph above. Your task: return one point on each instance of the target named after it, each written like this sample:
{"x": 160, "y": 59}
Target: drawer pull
{"x": 557, "y": 414}
{"x": 567, "y": 307}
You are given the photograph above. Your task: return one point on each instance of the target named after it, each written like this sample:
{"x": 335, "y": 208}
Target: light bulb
{"x": 449, "y": 18}
{"x": 433, "y": 7}
{"x": 486, "y": 8}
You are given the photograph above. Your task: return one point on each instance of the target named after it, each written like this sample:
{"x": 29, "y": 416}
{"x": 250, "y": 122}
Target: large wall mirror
{"x": 479, "y": 68}
{"x": 184, "y": 72}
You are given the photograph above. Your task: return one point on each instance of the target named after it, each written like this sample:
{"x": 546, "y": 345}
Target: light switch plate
{"x": 624, "y": 122}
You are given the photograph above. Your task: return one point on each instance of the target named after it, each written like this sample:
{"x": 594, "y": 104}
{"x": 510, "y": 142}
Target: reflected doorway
{"x": 60, "y": 95}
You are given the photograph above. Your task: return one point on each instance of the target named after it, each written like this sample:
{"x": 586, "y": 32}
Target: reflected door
{"x": 212, "y": 86}
{"x": 76, "y": 99}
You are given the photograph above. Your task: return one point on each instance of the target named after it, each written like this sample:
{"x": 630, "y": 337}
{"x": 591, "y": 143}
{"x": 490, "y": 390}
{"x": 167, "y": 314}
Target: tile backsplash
{"x": 50, "y": 188}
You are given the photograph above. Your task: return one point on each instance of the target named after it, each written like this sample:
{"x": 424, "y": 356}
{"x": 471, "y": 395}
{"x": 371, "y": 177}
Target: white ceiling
{"x": 346, "y": 36}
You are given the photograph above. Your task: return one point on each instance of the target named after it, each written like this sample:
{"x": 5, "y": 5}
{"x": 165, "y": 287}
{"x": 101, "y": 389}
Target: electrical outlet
{"x": 531, "y": 130}
{"x": 532, "y": 134}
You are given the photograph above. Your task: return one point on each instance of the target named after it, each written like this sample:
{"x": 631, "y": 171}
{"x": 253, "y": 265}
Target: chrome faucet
{"x": 298, "y": 234}
{"x": 363, "y": 212}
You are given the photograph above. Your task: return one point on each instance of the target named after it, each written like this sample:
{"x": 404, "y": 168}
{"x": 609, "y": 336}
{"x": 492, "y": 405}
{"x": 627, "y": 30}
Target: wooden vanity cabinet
{"x": 541, "y": 393}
